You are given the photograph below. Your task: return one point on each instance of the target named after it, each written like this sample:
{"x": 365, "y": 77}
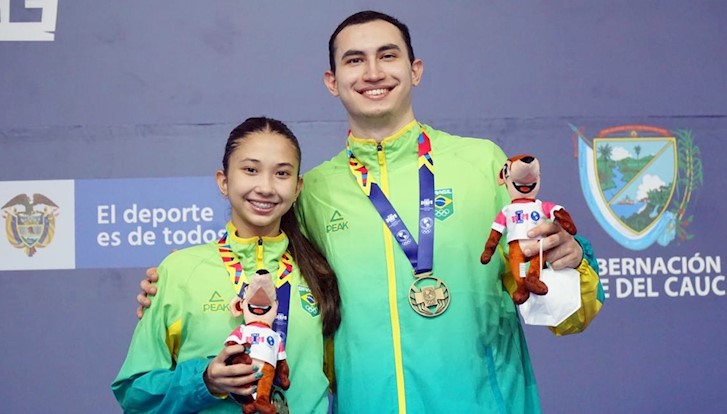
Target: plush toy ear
{"x": 501, "y": 176}
{"x": 236, "y": 307}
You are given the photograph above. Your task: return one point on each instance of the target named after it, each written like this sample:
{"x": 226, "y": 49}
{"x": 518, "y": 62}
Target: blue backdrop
{"x": 116, "y": 113}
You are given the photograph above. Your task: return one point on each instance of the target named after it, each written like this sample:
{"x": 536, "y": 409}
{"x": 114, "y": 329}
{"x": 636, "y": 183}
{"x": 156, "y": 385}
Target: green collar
{"x": 401, "y": 144}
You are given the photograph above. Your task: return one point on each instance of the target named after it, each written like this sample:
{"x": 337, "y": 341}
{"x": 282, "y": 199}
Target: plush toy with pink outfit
{"x": 521, "y": 177}
{"x": 259, "y": 306}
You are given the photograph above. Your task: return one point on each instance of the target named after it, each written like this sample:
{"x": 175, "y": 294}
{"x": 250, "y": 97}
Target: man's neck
{"x": 377, "y": 129}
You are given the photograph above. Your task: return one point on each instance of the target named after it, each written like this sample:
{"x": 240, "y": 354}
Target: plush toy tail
{"x": 282, "y": 374}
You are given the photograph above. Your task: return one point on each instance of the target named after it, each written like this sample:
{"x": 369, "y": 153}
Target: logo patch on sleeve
{"x": 443, "y": 204}
{"x": 307, "y": 301}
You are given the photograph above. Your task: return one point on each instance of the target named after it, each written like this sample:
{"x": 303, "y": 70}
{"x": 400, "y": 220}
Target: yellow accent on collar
{"x": 232, "y": 234}
{"x": 396, "y": 135}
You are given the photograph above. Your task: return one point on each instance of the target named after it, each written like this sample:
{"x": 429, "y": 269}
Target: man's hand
{"x": 147, "y": 289}
{"x": 561, "y": 248}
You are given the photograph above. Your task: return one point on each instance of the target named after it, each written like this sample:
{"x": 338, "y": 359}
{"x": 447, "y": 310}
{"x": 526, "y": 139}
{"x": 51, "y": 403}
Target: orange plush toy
{"x": 521, "y": 176}
{"x": 259, "y": 306}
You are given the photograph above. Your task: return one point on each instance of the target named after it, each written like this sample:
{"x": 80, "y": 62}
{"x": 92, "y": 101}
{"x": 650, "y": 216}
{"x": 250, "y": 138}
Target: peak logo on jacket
{"x": 216, "y": 303}
{"x": 336, "y": 223}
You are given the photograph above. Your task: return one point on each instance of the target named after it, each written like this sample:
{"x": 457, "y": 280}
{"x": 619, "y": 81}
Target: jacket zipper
{"x": 391, "y": 280}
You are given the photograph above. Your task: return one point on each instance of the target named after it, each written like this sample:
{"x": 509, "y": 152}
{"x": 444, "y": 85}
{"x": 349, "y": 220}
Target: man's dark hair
{"x": 366, "y": 17}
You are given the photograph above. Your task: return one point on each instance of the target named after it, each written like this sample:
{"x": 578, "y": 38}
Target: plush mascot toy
{"x": 521, "y": 176}
{"x": 259, "y": 306}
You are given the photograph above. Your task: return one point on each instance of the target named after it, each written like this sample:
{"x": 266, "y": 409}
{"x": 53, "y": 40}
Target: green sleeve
{"x": 302, "y": 206}
{"x": 180, "y": 390}
{"x": 150, "y": 380}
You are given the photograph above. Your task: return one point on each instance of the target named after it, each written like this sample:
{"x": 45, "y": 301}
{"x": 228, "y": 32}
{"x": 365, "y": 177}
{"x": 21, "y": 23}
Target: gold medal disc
{"x": 429, "y": 296}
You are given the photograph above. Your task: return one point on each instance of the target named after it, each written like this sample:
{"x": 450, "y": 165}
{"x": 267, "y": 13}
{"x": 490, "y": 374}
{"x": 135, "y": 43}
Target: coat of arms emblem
{"x": 638, "y": 181}
{"x": 30, "y": 221}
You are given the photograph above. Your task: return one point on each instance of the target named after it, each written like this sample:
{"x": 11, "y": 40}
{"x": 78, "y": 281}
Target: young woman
{"x": 176, "y": 361}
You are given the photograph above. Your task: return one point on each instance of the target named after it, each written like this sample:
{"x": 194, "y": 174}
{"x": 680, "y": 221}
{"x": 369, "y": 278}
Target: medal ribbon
{"x": 420, "y": 255}
{"x": 281, "y": 281}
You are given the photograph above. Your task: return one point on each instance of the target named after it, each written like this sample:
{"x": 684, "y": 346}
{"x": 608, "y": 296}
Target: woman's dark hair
{"x": 313, "y": 266}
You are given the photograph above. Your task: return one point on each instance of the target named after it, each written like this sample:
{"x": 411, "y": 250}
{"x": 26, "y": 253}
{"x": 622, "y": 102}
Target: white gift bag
{"x": 561, "y": 301}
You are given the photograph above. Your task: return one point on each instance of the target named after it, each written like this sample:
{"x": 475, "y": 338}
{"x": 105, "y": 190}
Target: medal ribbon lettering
{"x": 420, "y": 254}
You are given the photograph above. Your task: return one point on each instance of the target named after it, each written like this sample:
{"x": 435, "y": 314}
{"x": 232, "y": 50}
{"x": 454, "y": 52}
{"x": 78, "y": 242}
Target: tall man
{"x": 426, "y": 327}
{"x": 416, "y": 203}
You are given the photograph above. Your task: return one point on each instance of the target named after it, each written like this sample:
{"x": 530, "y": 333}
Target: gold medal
{"x": 278, "y": 399}
{"x": 428, "y": 296}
